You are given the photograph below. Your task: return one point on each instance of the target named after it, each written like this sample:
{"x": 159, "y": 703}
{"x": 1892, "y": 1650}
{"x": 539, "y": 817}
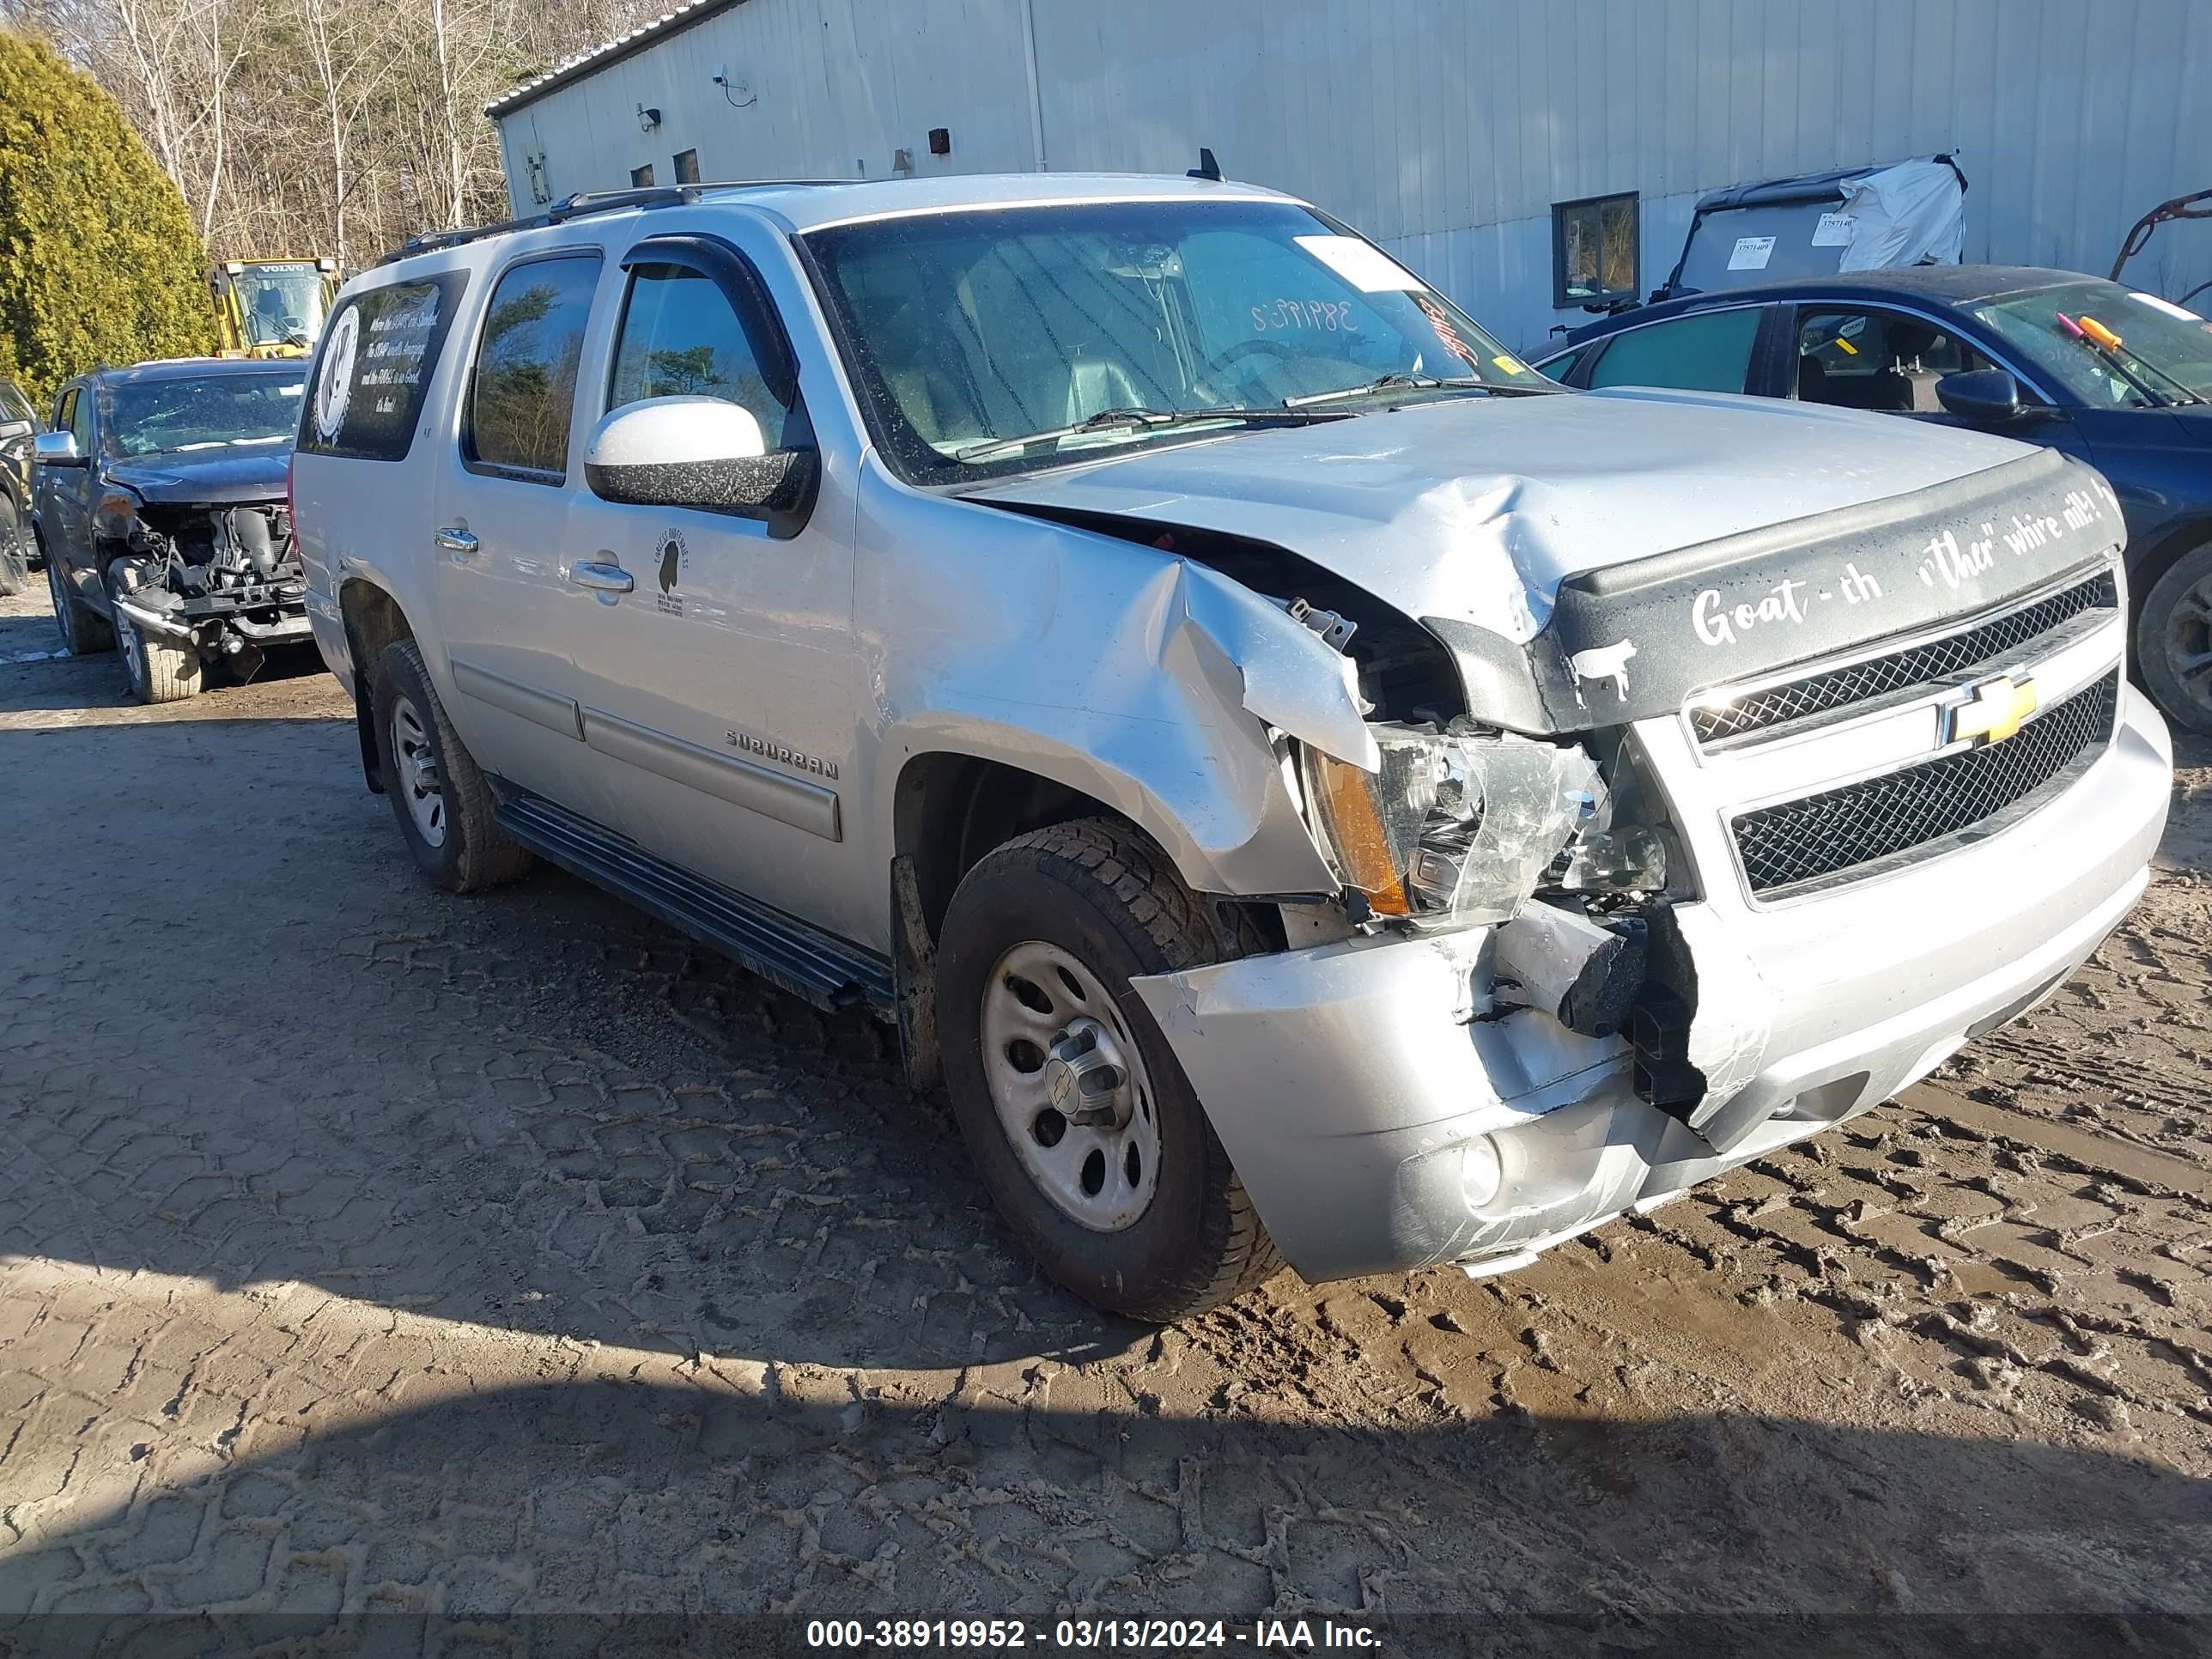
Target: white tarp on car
{"x": 1914, "y": 213}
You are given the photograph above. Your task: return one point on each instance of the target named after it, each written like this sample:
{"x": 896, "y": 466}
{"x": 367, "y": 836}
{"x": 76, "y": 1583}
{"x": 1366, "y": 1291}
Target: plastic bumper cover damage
{"x": 1382, "y": 1119}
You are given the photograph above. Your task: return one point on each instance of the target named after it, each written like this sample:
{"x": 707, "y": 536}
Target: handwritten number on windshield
{"x": 1328, "y": 316}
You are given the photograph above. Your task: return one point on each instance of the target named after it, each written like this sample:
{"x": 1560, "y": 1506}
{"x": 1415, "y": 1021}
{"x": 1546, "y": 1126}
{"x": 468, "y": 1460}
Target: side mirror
{"x": 56, "y": 449}
{"x": 693, "y": 451}
{"x": 1982, "y": 397}
{"x": 11, "y": 430}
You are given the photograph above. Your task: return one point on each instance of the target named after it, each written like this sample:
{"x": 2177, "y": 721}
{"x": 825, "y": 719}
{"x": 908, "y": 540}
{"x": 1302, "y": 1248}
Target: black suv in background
{"x": 19, "y": 424}
{"x": 160, "y": 509}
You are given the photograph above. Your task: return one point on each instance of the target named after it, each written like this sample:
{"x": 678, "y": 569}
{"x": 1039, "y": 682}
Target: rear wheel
{"x": 83, "y": 630}
{"x": 2173, "y": 640}
{"x": 1090, "y": 1140}
{"x": 437, "y": 792}
{"x": 15, "y": 550}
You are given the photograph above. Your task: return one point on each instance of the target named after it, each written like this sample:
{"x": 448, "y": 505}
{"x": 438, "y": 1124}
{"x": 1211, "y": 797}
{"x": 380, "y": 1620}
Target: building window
{"x": 641, "y": 178}
{"x": 1594, "y": 252}
{"x": 687, "y": 166}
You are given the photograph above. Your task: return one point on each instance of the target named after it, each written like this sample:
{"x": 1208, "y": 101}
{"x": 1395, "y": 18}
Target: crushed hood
{"x": 1476, "y": 508}
{"x": 1599, "y": 557}
{"x": 213, "y": 477}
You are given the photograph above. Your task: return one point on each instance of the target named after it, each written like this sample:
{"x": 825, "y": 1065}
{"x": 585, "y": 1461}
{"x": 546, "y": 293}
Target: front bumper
{"x": 1353, "y": 1084}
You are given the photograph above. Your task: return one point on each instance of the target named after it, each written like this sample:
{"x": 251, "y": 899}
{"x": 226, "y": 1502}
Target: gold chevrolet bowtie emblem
{"x": 1997, "y": 709}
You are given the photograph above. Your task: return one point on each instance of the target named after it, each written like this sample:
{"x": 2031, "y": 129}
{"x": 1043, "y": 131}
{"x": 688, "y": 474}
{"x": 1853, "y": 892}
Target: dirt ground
{"x": 364, "y": 1249}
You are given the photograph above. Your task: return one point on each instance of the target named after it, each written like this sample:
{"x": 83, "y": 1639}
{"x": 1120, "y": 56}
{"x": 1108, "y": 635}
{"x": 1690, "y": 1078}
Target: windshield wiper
{"x": 1108, "y": 419}
{"x": 1400, "y": 380}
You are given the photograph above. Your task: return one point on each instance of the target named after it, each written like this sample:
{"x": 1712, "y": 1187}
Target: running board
{"x": 829, "y": 972}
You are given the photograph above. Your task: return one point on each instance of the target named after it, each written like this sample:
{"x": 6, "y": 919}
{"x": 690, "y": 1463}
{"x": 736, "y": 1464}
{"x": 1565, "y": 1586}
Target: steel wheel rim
{"x": 1039, "y": 1002}
{"x": 2189, "y": 643}
{"x": 417, "y": 763}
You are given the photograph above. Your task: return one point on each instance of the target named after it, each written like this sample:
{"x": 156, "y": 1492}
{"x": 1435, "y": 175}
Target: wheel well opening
{"x": 373, "y": 620}
{"x": 953, "y": 809}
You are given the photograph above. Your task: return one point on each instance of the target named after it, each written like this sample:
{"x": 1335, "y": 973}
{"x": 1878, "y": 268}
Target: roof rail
{"x": 581, "y": 203}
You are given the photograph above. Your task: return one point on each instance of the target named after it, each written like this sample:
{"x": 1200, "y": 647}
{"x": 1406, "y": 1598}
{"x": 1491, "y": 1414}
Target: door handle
{"x": 601, "y": 577}
{"x": 455, "y": 540}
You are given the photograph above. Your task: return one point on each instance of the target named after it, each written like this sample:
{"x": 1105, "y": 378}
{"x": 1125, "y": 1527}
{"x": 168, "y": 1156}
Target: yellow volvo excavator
{"x": 272, "y": 307}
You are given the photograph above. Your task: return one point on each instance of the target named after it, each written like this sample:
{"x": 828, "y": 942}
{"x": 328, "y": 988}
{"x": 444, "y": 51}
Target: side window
{"x": 79, "y": 418}
{"x": 523, "y": 395}
{"x": 12, "y": 404}
{"x": 680, "y": 338}
{"x": 374, "y": 368}
{"x": 1562, "y": 367}
{"x": 1864, "y": 357}
{"x": 1708, "y": 351}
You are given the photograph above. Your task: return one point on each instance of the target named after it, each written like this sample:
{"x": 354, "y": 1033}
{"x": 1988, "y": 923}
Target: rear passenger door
{"x": 1705, "y": 351}
{"x": 719, "y": 686}
{"x": 501, "y": 536}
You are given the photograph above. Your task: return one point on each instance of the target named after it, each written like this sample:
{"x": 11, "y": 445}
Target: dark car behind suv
{"x": 19, "y": 424}
{"x": 2117, "y": 378}
{"x": 160, "y": 509}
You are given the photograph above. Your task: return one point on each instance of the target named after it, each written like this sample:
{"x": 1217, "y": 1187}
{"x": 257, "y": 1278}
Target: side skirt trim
{"x": 830, "y": 972}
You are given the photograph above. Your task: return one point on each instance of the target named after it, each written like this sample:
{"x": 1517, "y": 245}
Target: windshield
{"x": 281, "y": 303}
{"x": 1137, "y": 322}
{"x": 152, "y": 418}
{"x": 2157, "y": 353}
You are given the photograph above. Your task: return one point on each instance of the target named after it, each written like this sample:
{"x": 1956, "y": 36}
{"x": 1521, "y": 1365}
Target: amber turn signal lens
{"x": 1355, "y": 828}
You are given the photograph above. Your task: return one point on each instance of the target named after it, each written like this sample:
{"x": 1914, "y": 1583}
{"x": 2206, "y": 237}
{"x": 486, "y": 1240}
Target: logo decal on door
{"x": 672, "y": 554}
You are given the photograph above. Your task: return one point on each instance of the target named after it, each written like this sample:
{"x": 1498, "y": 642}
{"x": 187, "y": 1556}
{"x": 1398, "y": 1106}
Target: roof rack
{"x": 582, "y": 203}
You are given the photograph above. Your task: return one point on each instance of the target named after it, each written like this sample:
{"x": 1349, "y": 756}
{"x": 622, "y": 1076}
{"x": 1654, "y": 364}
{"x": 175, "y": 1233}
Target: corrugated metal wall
{"x": 1447, "y": 128}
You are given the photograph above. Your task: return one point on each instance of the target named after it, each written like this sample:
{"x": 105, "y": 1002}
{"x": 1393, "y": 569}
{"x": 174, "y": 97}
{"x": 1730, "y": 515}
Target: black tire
{"x": 84, "y": 631}
{"x": 15, "y": 550}
{"x": 1098, "y": 892}
{"x": 155, "y": 669}
{"x": 2173, "y": 640}
{"x": 461, "y": 847}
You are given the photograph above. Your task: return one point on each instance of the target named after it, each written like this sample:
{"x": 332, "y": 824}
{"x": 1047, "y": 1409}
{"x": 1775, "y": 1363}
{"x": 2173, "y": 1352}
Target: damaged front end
{"x": 1551, "y": 989}
{"x": 223, "y": 581}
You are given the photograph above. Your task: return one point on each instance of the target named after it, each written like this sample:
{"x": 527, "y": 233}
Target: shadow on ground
{"x": 1727, "y": 1534}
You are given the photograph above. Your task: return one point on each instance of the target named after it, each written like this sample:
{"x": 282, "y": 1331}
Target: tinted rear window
{"x": 373, "y": 370}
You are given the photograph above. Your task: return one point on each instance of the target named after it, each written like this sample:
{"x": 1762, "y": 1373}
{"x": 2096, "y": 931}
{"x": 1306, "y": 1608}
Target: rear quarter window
{"x": 375, "y": 368}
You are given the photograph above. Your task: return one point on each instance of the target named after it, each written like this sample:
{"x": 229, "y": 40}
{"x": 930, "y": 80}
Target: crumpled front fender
{"x": 1149, "y": 682}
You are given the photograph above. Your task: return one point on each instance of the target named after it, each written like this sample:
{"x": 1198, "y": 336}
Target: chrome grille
{"x": 1842, "y": 830}
{"x": 1902, "y": 670}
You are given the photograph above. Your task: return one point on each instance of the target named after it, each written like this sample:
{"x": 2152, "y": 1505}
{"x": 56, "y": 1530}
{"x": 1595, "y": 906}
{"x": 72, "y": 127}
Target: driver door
{"x": 715, "y": 664}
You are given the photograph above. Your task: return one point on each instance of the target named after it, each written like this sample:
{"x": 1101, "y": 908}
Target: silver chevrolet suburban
{"x": 1311, "y": 789}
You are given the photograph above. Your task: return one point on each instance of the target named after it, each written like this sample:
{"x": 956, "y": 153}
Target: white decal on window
{"x": 1366, "y": 267}
{"x": 337, "y": 389}
{"x": 1835, "y": 230}
{"x": 1752, "y": 253}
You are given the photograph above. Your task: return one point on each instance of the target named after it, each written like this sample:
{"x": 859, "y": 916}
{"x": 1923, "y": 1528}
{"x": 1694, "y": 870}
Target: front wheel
{"x": 158, "y": 671}
{"x": 2173, "y": 640}
{"x": 1085, "y": 1131}
{"x": 83, "y": 630}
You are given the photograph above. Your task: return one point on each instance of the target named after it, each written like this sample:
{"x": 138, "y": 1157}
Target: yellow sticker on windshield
{"x": 1847, "y": 345}
{"x": 1510, "y": 365}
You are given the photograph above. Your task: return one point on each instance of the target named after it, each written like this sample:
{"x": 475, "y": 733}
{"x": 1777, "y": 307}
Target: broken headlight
{"x": 1454, "y": 828}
